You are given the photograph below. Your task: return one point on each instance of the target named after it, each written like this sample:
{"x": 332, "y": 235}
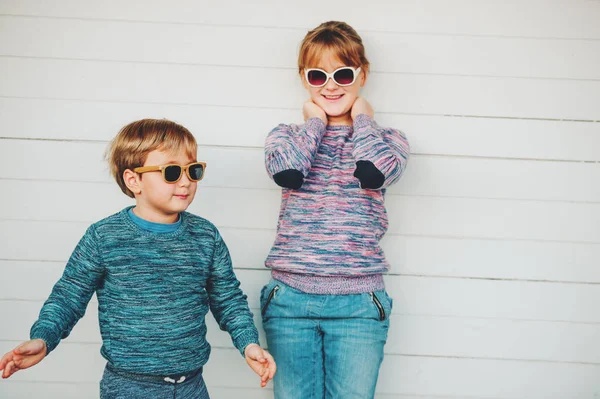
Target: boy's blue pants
{"x": 119, "y": 385}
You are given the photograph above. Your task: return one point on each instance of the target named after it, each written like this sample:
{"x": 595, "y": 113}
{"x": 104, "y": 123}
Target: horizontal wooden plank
{"x": 423, "y": 296}
{"x": 566, "y": 19}
{"x": 33, "y": 389}
{"x": 203, "y": 44}
{"x": 90, "y": 390}
{"x": 496, "y": 259}
{"x": 399, "y": 374}
{"x": 193, "y": 84}
{"x": 513, "y": 300}
{"x": 409, "y": 335}
{"x": 468, "y": 378}
{"x": 244, "y": 168}
{"x": 15, "y": 388}
{"x": 31, "y": 244}
{"x": 248, "y": 127}
{"x": 258, "y": 209}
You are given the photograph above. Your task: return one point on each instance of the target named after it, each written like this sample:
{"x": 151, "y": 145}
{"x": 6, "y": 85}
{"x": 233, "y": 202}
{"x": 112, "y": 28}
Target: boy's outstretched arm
{"x": 261, "y": 362}
{"x": 63, "y": 308}
{"x": 27, "y": 354}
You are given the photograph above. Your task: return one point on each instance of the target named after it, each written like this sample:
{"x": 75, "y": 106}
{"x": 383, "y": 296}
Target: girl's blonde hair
{"x": 133, "y": 143}
{"x": 338, "y": 37}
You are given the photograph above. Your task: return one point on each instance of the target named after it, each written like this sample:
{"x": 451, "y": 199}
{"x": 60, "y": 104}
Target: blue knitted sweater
{"x": 154, "y": 290}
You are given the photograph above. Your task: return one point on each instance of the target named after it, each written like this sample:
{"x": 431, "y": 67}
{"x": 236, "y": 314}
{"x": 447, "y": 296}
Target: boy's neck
{"x": 153, "y": 217}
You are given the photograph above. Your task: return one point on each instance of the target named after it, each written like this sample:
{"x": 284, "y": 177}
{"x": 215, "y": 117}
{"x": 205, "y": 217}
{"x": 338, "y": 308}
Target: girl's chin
{"x": 336, "y": 111}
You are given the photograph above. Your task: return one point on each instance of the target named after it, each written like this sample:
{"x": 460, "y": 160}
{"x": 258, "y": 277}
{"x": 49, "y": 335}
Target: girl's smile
{"x": 335, "y": 100}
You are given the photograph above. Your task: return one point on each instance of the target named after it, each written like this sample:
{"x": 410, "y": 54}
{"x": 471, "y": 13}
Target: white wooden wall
{"x": 494, "y": 235}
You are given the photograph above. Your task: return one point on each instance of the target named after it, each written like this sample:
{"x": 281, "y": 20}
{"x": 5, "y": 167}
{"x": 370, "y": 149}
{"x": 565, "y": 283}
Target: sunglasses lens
{"x": 172, "y": 173}
{"x": 344, "y": 76}
{"x": 316, "y": 78}
{"x": 196, "y": 171}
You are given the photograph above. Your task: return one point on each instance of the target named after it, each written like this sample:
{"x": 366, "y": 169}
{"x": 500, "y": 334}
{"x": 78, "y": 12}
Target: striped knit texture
{"x": 329, "y": 230}
{"x": 154, "y": 290}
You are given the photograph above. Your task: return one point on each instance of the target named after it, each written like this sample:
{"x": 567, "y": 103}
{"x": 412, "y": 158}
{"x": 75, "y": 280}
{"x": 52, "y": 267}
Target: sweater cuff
{"x": 315, "y": 125}
{"x": 246, "y": 338}
{"x": 362, "y": 120}
{"x": 50, "y": 338}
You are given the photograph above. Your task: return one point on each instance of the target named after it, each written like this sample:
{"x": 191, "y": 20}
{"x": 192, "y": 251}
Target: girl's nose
{"x": 331, "y": 85}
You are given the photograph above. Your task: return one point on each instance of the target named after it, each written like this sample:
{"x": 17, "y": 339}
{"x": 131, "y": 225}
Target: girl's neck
{"x": 339, "y": 120}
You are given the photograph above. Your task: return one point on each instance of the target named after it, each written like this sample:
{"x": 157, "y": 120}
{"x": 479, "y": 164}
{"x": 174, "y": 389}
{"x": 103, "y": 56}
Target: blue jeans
{"x": 325, "y": 346}
{"x": 119, "y": 385}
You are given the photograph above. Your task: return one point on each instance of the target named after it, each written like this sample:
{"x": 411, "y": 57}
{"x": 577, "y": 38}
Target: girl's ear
{"x": 304, "y": 82}
{"x": 132, "y": 181}
{"x": 362, "y": 78}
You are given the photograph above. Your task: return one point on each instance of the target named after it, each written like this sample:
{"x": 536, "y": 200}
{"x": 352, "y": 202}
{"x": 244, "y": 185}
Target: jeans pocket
{"x": 265, "y": 300}
{"x": 380, "y": 309}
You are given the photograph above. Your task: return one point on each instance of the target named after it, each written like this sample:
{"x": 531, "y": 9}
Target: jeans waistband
{"x": 165, "y": 379}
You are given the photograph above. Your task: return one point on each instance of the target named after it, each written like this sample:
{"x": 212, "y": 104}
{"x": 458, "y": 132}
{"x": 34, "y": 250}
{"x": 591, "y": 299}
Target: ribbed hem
{"x": 361, "y": 121}
{"x": 245, "y": 339}
{"x": 47, "y": 335}
{"x": 331, "y": 285}
{"x": 317, "y": 125}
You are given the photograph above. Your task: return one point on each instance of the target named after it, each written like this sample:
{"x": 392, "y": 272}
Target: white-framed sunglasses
{"x": 344, "y": 76}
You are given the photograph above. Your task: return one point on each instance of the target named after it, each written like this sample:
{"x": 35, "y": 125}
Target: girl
{"x": 325, "y": 310}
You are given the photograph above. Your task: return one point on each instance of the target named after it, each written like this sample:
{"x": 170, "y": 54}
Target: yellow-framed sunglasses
{"x": 172, "y": 173}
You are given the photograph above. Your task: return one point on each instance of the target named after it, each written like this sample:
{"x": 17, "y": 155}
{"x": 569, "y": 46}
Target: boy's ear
{"x": 132, "y": 181}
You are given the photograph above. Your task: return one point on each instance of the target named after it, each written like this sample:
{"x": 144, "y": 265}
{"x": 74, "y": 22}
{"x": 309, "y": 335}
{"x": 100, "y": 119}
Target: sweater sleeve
{"x": 228, "y": 303}
{"x": 290, "y": 147}
{"x": 71, "y": 294}
{"x": 387, "y": 149}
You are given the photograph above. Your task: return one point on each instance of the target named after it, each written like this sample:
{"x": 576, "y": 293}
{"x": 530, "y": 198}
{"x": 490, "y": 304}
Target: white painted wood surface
{"x": 494, "y": 238}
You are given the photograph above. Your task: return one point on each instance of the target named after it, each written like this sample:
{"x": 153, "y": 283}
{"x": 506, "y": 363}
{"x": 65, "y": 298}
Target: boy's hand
{"x": 312, "y": 110}
{"x": 361, "y": 106}
{"x": 27, "y": 354}
{"x": 261, "y": 362}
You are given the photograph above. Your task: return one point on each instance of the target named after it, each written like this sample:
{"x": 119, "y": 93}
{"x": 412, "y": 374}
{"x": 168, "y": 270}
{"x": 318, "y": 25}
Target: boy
{"x": 156, "y": 270}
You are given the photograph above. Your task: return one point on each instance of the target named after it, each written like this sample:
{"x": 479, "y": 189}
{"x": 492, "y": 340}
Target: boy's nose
{"x": 184, "y": 181}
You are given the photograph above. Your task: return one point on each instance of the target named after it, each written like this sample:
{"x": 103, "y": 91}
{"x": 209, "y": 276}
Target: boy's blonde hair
{"x": 133, "y": 143}
{"x": 340, "y": 38}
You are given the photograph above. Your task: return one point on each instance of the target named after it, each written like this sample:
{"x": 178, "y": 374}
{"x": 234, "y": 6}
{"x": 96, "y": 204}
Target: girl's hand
{"x": 361, "y": 106}
{"x": 27, "y": 354}
{"x": 312, "y": 110}
{"x": 261, "y": 362}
